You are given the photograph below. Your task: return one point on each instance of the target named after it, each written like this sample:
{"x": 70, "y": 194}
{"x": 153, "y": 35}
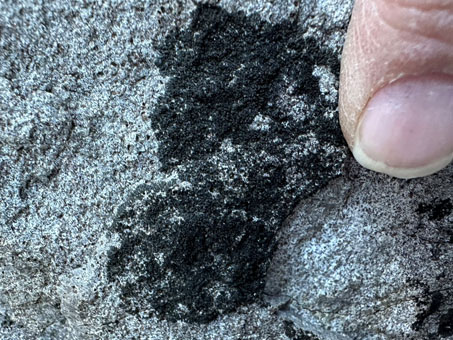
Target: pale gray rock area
{"x": 365, "y": 257}
{"x": 369, "y": 257}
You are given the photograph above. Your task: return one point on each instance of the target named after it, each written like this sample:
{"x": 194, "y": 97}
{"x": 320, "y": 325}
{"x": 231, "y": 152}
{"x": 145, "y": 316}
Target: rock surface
{"x": 175, "y": 170}
{"x": 237, "y": 159}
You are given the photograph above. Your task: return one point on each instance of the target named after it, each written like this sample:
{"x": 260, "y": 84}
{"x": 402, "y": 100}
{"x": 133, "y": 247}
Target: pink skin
{"x": 390, "y": 44}
{"x": 409, "y": 123}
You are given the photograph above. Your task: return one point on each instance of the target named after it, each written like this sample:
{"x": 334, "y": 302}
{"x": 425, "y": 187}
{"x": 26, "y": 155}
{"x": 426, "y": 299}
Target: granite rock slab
{"x": 175, "y": 170}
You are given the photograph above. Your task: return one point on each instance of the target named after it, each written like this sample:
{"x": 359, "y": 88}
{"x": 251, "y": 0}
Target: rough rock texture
{"x": 394, "y": 282}
{"x": 150, "y": 154}
{"x": 199, "y": 244}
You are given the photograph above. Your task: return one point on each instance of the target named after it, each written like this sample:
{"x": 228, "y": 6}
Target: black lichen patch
{"x": 6, "y": 321}
{"x": 436, "y": 300}
{"x": 244, "y": 134}
{"x": 446, "y": 324}
{"x": 297, "y": 334}
{"x": 436, "y": 210}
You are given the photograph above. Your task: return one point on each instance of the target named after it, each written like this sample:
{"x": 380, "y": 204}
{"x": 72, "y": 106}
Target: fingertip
{"x": 406, "y": 128}
{"x": 399, "y": 172}
{"x": 396, "y": 86}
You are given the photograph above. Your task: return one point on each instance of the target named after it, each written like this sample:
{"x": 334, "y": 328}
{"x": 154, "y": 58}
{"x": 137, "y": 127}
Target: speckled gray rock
{"x": 94, "y": 167}
{"x": 369, "y": 257}
{"x": 239, "y": 151}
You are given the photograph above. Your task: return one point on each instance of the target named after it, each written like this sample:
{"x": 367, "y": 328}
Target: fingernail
{"x": 406, "y": 130}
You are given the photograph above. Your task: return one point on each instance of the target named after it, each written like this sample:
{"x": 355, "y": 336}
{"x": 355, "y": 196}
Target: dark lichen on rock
{"x": 436, "y": 210}
{"x": 446, "y": 324}
{"x": 243, "y": 135}
{"x": 297, "y": 334}
{"x": 435, "y": 302}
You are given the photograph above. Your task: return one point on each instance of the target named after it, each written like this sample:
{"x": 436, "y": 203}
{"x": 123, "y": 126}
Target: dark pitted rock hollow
{"x": 244, "y": 133}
